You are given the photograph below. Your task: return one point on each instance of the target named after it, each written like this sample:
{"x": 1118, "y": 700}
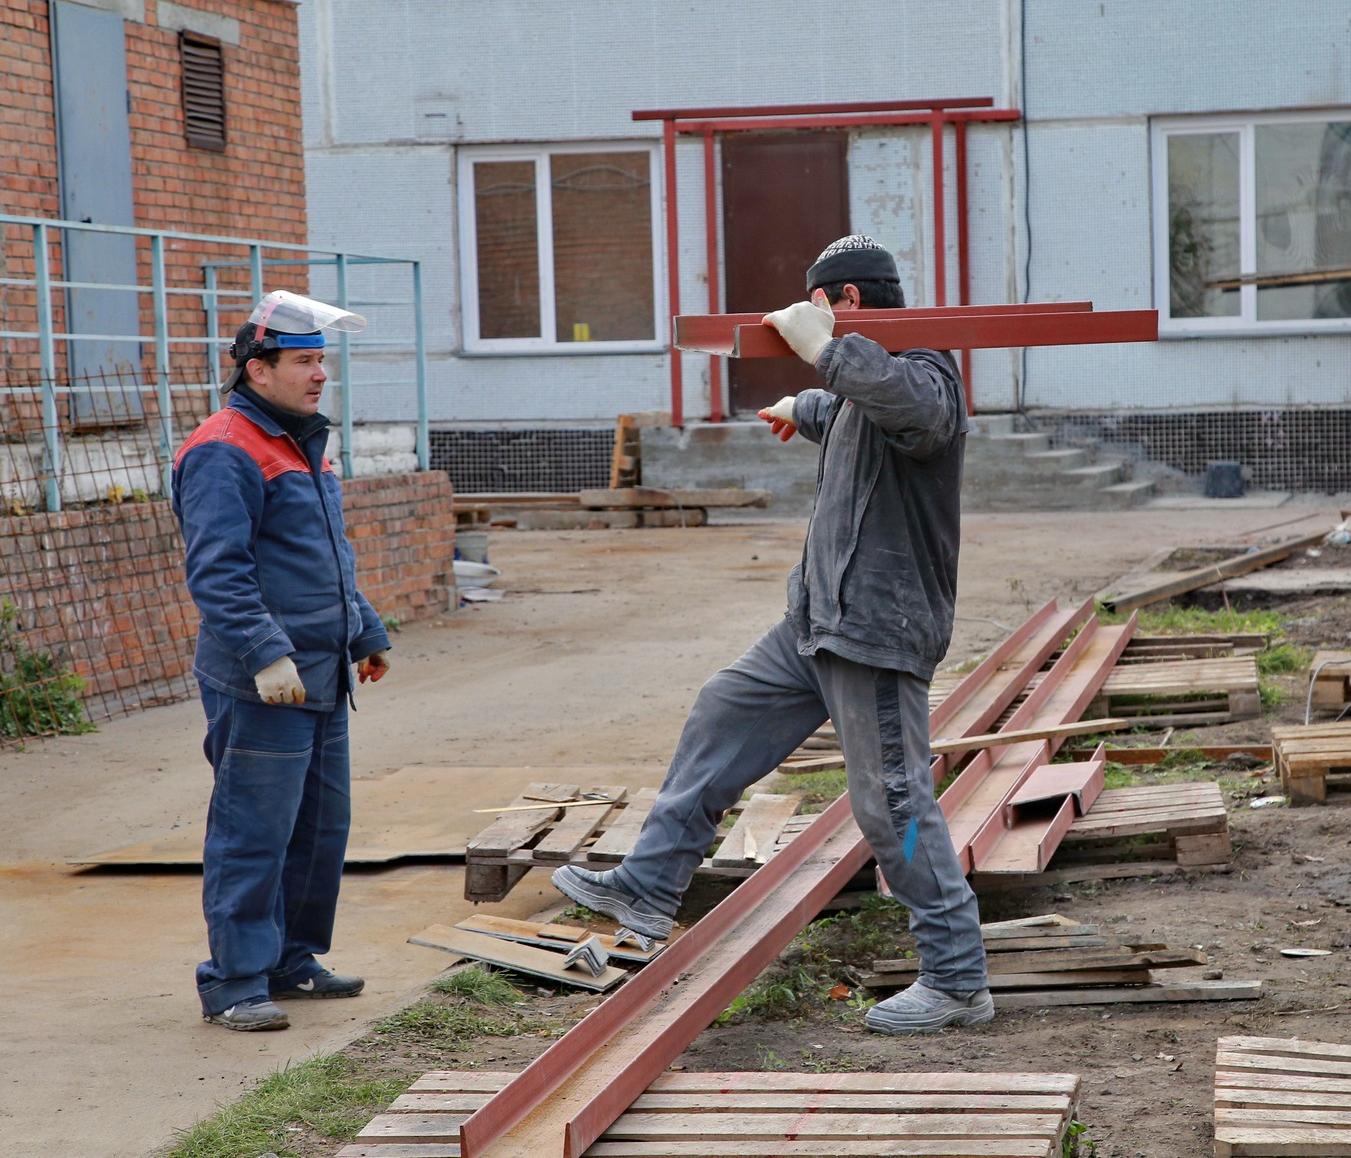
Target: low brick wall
{"x": 102, "y": 587}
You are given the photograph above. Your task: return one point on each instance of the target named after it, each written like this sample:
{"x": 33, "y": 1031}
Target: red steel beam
{"x": 673, "y": 271}
{"x": 810, "y": 109}
{"x": 711, "y": 333}
{"x": 777, "y": 901}
{"x": 940, "y": 207}
{"x": 862, "y": 120}
{"x": 963, "y": 251}
{"x": 711, "y": 232}
{"x": 971, "y": 331}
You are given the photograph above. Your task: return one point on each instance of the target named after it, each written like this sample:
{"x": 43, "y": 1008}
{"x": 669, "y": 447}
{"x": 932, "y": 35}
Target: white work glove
{"x": 373, "y": 667}
{"x": 806, "y": 326}
{"x": 279, "y": 683}
{"x": 780, "y": 417}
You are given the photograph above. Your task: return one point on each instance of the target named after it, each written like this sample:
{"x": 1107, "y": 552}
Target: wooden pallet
{"x": 1188, "y": 822}
{"x": 721, "y": 1115}
{"x": 1311, "y": 759}
{"x": 600, "y": 836}
{"x": 1282, "y": 1096}
{"x": 1331, "y": 675}
{"x": 1181, "y": 693}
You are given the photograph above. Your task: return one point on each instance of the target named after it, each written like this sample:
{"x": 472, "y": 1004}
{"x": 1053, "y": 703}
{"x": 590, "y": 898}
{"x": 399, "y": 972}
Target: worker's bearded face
{"x": 295, "y": 383}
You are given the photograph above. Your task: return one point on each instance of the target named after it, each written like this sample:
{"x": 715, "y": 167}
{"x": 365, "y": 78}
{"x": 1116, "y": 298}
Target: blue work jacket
{"x": 269, "y": 565}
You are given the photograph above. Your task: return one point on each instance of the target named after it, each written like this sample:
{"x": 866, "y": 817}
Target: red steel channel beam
{"x": 970, "y": 330}
{"x": 974, "y": 803}
{"x": 717, "y": 333}
{"x": 673, "y": 270}
{"x": 963, "y": 251}
{"x": 641, "y": 1028}
{"x": 711, "y": 231}
{"x": 939, "y": 208}
{"x": 861, "y": 120}
{"x": 810, "y": 109}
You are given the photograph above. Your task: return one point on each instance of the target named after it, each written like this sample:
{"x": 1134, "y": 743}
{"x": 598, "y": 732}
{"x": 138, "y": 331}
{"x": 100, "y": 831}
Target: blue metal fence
{"x": 205, "y": 269}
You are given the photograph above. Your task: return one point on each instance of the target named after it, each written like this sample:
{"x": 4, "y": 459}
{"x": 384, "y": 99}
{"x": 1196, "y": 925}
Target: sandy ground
{"x": 593, "y": 657}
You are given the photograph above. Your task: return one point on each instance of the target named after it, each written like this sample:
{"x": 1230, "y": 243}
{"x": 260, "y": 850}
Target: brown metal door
{"x": 785, "y": 198}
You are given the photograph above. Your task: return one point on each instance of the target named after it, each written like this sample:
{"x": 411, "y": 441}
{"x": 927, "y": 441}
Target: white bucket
{"x": 472, "y": 545}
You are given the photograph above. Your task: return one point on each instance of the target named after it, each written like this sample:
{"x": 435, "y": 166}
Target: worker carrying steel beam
{"x": 273, "y": 575}
{"x": 869, "y": 617}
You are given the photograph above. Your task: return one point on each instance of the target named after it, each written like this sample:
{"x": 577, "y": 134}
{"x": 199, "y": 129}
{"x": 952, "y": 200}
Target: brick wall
{"x": 102, "y": 587}
{"x": 255, "y": 188}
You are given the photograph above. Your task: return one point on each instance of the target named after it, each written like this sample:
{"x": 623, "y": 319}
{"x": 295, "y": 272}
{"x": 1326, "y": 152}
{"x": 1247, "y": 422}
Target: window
{"x": 558, "y": 249}
{"x": 203, "y": 91}
{"x": 1252, "y": 224}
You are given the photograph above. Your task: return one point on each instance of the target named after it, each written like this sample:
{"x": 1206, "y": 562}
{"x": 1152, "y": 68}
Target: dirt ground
{"x": 594, "y": 657}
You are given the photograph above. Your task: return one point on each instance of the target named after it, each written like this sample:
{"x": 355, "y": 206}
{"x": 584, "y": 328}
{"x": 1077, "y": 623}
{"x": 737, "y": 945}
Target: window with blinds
{"x": 203, "y": 91}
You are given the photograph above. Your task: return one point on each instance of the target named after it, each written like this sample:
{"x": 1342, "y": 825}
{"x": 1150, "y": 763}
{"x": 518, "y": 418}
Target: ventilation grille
{"x": 523, "y": 460}
{"x": 203, "y": 92}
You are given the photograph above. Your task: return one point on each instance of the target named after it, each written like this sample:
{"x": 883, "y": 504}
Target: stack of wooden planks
{"x": 960, "y": 1115}
{"x": 1045, "y": 961}
{"x": 622, "y": 507}
{"x": 1182, "y": 692}
{"x": 1282, "y": 1096}
{"x": 1311, "y": 759}
{"x": 562, "y": 828}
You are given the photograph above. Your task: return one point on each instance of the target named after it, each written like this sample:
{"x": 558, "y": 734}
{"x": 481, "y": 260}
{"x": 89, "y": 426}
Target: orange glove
{"x": 373, "y": 667}
{"x": 780, "y": 417}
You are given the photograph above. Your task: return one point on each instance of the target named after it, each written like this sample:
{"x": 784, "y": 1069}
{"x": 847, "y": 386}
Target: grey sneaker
{"x": 600, "y": 892}
{"x": 920, "y": 1009}
{"x": 323, "y": 984}
{"x": 253, "y": 1013}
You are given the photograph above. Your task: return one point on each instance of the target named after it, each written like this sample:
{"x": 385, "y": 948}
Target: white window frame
{"x": 1246, "y": 323}
{"x": 546, "y": 343}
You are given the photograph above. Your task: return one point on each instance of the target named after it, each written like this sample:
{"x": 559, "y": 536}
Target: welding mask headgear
{"x": 285, "y": 321}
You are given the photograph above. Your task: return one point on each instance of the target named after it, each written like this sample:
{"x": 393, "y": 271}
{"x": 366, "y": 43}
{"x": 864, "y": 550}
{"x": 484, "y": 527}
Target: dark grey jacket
{"x": 878, "y": 576}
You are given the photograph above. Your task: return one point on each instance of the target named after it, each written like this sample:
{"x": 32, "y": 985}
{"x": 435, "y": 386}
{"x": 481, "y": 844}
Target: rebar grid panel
{"x": 523, "y": 460}
{"x": 100, "y": 577}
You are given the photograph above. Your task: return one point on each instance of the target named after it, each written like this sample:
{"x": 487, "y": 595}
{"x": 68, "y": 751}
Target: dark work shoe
{"x": 920, "y": 1009}
{"x": 600, "y": 892}
{"x": 253, "y": 1013}
{"x": 323, "y": 984}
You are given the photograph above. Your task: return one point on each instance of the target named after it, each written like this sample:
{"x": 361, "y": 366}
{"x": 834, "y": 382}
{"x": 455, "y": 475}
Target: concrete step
{"x": 1122, "y": 496}
{"x": 1095, "y": 476}
{"x": 987, "y": 424}
{"x": 1051, "y": 461}
{"x": 1015, "y": 445}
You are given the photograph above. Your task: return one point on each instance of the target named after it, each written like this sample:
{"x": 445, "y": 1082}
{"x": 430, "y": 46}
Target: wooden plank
{"x": 624, "y": 498}
{"x": 1285, "y": 1142}
{"x": 802, "y": 1101}
{"x": 1257, "y": 1080}
{"x": 1019, "y": 735}
{"x": 1271, "y": 1099}
{"x": 1204, "y": 848}
{"x": 558, "y": 937}
{"x": 411, "y": 1127}
{"x": 400, "y": 1150}
{"x": 1059, "y": 961}
{"x": 1045, "y": 927}
{"x": 511, "y": 831}
{"x": 1047, "y": 980}
{"x": 616, "y": 842}
{"x": 1271, "y": 1063}
{"x": 1284, "y": 1047}
{"x": 577, "y": 825}
{"x": 672, "y": 1127}
{"x": 1279, "y": 1115}
{"x": 826, "y": 1148}
{"x": 1187, "y": 991}
{"x": 1213, "y": 752}
{"x": 1070, "y": 938}
{"x": 519, "y": 958}
{"x": 756, "y": 831}
{"x": 1206, "y": 576}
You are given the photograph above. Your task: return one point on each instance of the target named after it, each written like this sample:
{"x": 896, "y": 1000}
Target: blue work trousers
{"x": 745, "y": 722}
{"x": 276, "y": 835}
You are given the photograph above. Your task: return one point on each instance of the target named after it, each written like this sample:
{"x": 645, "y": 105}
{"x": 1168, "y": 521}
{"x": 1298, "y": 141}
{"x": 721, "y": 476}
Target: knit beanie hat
{"x": 853, "y": 258}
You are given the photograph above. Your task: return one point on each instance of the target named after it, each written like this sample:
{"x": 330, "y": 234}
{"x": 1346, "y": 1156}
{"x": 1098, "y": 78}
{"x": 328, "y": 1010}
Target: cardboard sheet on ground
{"x": 417, "y": 811}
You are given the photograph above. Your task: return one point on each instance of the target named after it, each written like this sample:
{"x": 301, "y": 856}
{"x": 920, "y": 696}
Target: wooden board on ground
{"x": 544, "y": 936}
{"x": 1158, "y": 991}
{"x": 727, "y": 1115}
{"x": 626, "y": 498}
{"x": 420, "y": 811}
{"x": 755, "y": 834}
{"x": 519, "y": 958}
{"x": 1282, "y": 1096}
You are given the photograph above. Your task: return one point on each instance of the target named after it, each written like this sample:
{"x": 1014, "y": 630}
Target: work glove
{"x": 780, "y": 417}
{"x": 806, "y": 326}
{"x": 373, "y": 667}
{"x": 279, "y": 683}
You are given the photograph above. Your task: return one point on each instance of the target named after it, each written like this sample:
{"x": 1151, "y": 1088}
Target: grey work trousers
{"x": 748, "y": 718}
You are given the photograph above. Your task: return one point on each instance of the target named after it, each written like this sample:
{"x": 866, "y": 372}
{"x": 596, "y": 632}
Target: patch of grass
{"x": 1077, "y": 1143}
{"x": 581, "y": 913}
{"x": 1283, "y": 659}
{"x": 325, "y": 1096}
{"x": 447, "y": 1025}
{"x": 1170, "y": 619}
{"x": 817, "y": 789}
{"x": 486, "y": 986}
{"x": 1270, "y": 695}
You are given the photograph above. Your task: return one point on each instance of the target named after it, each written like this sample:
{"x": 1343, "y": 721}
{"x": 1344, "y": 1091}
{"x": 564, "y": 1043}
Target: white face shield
{"x": 288, "y": 313}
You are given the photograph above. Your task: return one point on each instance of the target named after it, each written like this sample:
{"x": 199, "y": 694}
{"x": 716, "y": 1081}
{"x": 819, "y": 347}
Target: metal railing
{"x": 183, "y": 269}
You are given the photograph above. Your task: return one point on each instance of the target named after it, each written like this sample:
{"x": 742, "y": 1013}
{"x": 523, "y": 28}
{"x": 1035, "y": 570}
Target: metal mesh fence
{"x": 542, "y": 459}
{"x": 95, "y": 619}
{"x": 1293, "y": 448}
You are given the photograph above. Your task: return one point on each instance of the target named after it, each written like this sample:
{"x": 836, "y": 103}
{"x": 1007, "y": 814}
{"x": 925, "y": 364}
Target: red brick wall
{"x": 255, "y": 188}
{"x": 102, "y": 587}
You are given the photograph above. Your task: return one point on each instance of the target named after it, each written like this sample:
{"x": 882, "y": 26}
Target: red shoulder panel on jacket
{"x": 274, "y": 455}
